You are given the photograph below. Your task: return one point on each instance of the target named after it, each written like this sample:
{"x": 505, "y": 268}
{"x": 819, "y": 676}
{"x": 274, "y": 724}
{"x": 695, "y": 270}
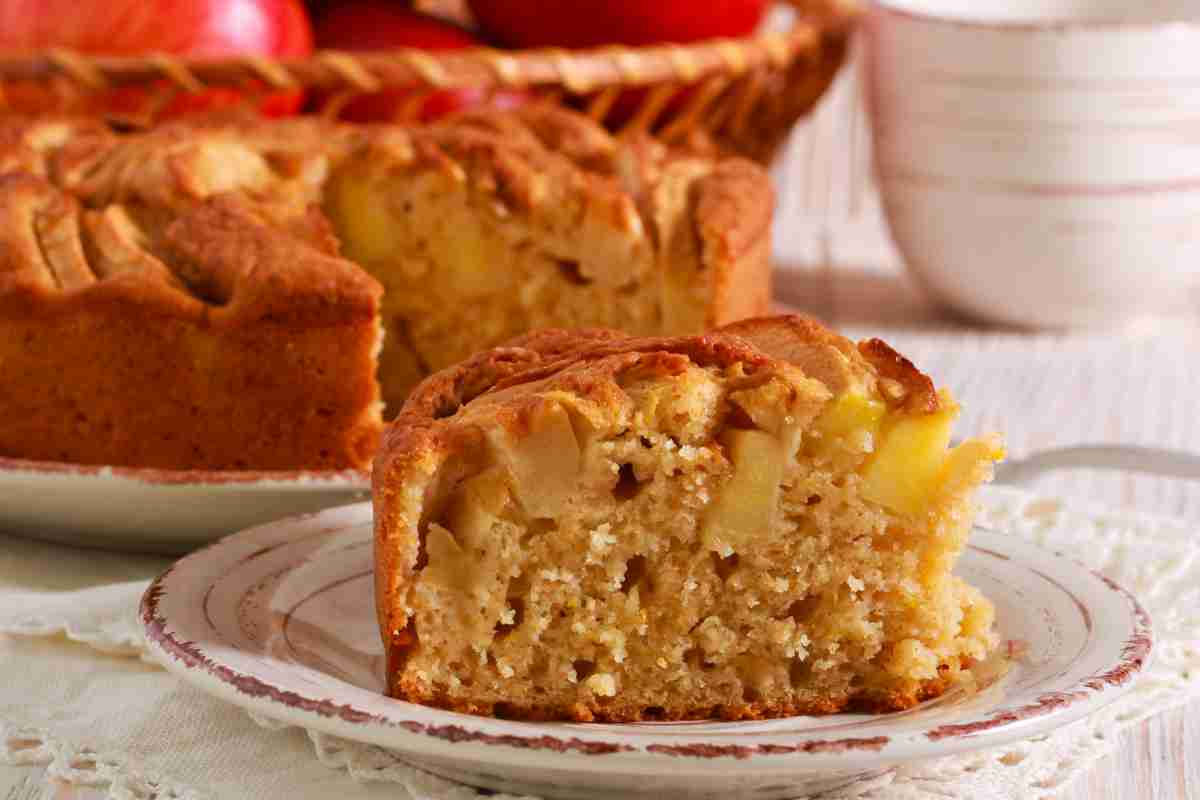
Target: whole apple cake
{"x": 757, "y": 522}
{"x": 251, "y": 294}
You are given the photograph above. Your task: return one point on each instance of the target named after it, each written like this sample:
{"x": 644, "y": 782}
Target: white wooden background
{"x": 1040, "y": 389}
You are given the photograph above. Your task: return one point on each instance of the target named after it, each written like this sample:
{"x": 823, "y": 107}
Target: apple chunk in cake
{"x": 757, "y": 522}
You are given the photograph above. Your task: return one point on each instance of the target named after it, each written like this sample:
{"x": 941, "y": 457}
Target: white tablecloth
{"x": 76, "y": 696}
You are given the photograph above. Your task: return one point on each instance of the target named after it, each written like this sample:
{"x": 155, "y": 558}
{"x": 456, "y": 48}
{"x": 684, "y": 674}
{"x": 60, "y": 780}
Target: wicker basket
{"x": 744, "y": 95}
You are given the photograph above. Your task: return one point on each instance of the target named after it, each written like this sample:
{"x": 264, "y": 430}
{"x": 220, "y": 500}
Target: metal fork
{"x": 1127, "y": 458}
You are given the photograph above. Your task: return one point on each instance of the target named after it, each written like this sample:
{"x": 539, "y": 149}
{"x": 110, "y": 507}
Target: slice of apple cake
{"x": 757, "y": 522}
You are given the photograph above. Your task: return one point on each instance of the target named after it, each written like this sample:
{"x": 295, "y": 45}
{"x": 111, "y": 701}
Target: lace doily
{"x": 1155, "y": 557}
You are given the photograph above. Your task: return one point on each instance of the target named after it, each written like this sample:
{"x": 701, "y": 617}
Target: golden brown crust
{"x": 527, "y": 177}
{"x": 224, "y": 251}
{"x": 549, "y": 353}
{"x": 548, "y": 128}
{"x": 24, "y": 201}
{"x": 224, "y": 263}
{"x": 912, "y": 388}
{"x": 32, "y": 145}
{"x": 821, "y": 353}
{"x": 734, "y": 208}
{"x": 280, "y": 164}
{"x": 614, "y": 711}
{"x": 528, "y": 360}
{"x": 192, "y": 397}
{"x": 800, "y": 341}
{"x": 839, "y": 363}
{"x": 212, "y": 354}
{"x": 445, "y": 392}
{"x": 710, "y": 222}
{"x": 535, "y": 160}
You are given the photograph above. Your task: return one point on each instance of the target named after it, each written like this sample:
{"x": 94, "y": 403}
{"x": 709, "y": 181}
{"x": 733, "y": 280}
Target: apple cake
{"x": 757, "y": 522}
{"x": 226, "y": 344}
{"x": 276, "y": 281}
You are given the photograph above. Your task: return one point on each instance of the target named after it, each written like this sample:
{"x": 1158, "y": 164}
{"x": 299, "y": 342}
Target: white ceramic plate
{"x": 280, "y": 620}
{"x": 157, "y": 511}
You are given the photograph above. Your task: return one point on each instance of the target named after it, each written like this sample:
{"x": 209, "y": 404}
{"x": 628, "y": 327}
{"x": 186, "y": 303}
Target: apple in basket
{"x": 194, "y": 28}
{"x": 364, "y": 25}
{"x": 591, "y": 23}
{"x": 594, "y": 23}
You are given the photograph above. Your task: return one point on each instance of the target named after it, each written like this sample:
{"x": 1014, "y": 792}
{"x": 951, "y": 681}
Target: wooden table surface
{"x": 1137, "y": 386}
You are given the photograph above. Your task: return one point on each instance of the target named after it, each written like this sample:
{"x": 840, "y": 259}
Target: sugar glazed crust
{"x": 604, "y": 605}
{"x": 248, "y": 325}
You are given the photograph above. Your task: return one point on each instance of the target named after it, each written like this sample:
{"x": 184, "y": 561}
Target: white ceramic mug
{"x": 1039, "y": 160}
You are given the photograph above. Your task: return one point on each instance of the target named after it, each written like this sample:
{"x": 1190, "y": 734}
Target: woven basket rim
{"x": 579, "y": 71}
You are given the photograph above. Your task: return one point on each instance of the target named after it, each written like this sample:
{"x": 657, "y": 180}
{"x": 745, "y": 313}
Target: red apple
{"x": 133, "y": 27}
{"x": 205, "y": 28}
{"x": 591, "y": 23}
{"x": 384, "y": 25}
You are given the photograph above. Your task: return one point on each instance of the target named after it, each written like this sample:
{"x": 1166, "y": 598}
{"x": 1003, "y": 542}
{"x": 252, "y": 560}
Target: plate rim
{"x": 153, "y": 476}
{"x": 187, "y": 660}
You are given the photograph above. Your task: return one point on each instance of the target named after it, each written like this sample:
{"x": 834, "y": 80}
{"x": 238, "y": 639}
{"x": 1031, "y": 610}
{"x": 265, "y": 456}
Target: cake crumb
{"x": 600, "y": 540}
{"x": 602, "y": 683}
{"x": 557, "y": 576}
{"x": 614, "y": 640}
{"x": 714, "y": 637}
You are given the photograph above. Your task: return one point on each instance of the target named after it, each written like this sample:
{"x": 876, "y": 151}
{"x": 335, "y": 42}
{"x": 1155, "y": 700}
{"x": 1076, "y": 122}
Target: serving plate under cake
{"x": 153, "y": 510}
{"x": 280, "y": 620}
